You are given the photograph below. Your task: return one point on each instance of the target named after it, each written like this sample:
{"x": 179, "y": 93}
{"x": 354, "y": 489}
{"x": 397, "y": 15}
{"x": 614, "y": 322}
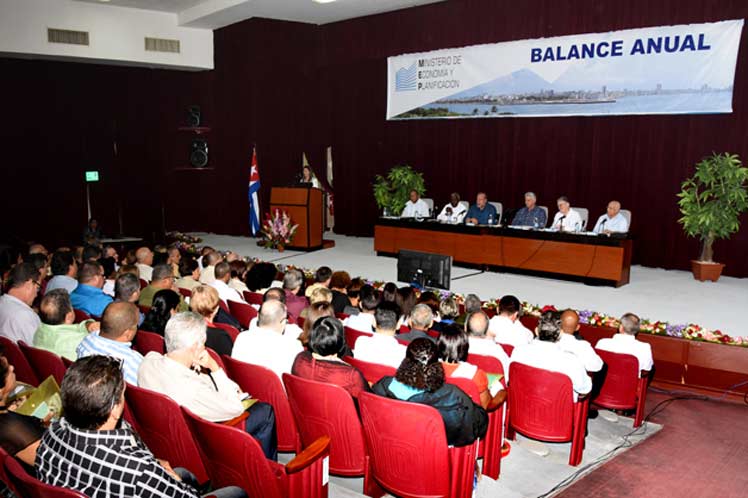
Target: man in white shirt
{"x": 267, "y": 345}
{"x": 65, "y": 271}
{"x": 381, "y": 347}
{"x": 476, "y": 325}
{"x": 625, "y": 342}
{"x": 210, "y": 260}
{"x": 220, "y": 284}
{"x": 454, "y": 212}
{"x": 415, "y": 207}
{"x": 545, "y": 353}
{"x": 612, "y": 221}
{"x": 18, "y": 322}
{"x": 144, "y": 260}
{"x": 566, "y": 220}
{"x": 364, "y": 320}
{"x": 578, "y": 347}
{"x": 192, "y": 378}
{"x": 292, "y": 331}
{"x": 505, "y": 328}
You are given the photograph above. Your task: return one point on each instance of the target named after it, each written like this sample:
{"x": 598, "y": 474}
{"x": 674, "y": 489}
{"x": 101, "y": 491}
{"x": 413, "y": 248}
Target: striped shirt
{"x": 104, "y": 464}
{"x": 94, "y": 344}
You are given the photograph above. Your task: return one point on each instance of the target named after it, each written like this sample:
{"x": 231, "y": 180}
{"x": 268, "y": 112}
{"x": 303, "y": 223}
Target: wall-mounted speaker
{"x": 199, "y": 153}
{"x": 193, "y": 116}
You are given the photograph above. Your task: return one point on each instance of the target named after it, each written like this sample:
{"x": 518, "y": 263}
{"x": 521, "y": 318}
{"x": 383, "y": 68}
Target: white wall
{"x": 116, "y": 34}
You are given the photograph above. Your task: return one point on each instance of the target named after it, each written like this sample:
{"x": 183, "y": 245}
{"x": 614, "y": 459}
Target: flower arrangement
{"x": 184, "y": 242}
{"x": 278, "y": 230}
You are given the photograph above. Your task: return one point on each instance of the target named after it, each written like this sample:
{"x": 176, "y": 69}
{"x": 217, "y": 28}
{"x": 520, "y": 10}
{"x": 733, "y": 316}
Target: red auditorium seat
{"x": 22, "y": 367}
{"x": 623, "y": 388}
{"x": 244, "y": 313}
{"x": 44, "y": 363}
{"x": 409, "y": 456}
{"x": 263, "y": 384}
{"x": 232, "y": 331}
{"x": 4, "y": 472}
{"x": 185, "y": 292}
{"x": 541, "y": 407}
{"x": 81, "y": 316}
{"x": 145, "y": 342}
{"x": 352, "y": 334}
{"x": 30, "y": 487}
{"x": 322, "y": 409}
{"x": 507, "y": 349}
{"x": 234, "y": 458}
{"x": 217, "y": 357}
{"x": 253, "y": 297}
{"x": 372, "y": 371}
{"x": 144, "y": 309}
{"x": 143, "y": 283}
{"x": 224, "y": 306}
{"x": 163, "y": 429}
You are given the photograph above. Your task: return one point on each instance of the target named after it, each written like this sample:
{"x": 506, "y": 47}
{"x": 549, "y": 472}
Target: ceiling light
{"x": 323, "y": 1}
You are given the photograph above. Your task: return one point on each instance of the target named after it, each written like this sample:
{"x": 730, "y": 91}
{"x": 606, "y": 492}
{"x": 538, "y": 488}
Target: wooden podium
{"x": 305, "y": 207}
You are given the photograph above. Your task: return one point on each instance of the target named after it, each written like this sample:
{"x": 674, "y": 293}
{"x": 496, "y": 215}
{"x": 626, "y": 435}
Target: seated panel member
{"x": 454, "y": 212}
{"x": 415, "y": 207}
{"x": 531, "y": 215}
{"x": 480, "y": 212}
{"x": 612, "y": 221}
{"x": 566, "y": 220}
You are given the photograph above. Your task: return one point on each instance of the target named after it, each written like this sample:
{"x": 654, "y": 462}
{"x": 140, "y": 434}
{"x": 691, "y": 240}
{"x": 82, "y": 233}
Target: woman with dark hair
{"x": 260, "y": 277}
{"x": 453, "y": 348}
{"x": 165, "y": 303}
{"x": 420, "y": 379}
{"x": 19, "y": 434}
{"x": 314, "y": 312}
{"x": 389, "y": 291}
{"x": 405, "y": 298}
{"x": 322, "y": 361}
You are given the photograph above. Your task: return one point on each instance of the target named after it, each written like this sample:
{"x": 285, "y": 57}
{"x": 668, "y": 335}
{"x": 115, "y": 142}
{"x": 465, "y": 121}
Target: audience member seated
{"x": 88, "y": 296}
{"x": 162, "y": 279}
{"x": 415, "y": 207}
{"x": 354, "y": 295}
{"x": 192, "y": 378}
{"x": 93, "y": 451}
{"x": 261, "y": 277}
{"x": 545, "y": 353}
{"x": 453, "y": 347}
{"x": 91, "y": 253}
{"x": 110, "y": 275}
{"x": 447, "y": 312}
{"x": 612, "y": 221}
{"x": 505, "y": 327}
{"x": 173, "y": 258}
{"x": 222, "y": 276}
{"x": 38, "y": 249}
{"x": 19, "y": 434}
{"x": 368, "y": 302}
{"x": 144, "y": 258}
{"x": 406, "y": 299}
{"x": 204, "y": 251}
{"x": 389, "y": 292}
{"x": 58, "y": 333}
{"x": 322, "y": 362}
{"x": 119, "y": 324}
{"x": 266, "y": 345}
{"x": 482, "y": 213}
{"x": 420, "y": 379}
{"x": 625, "y": 342}
{"x": 18, "y": 322}
{"x": 381, "y": 347}
{"x": 190, "y": 274}
{"x": 238, "y": 274}
{"x": 318, "y": 295}
{"x": 420, "y": 321}
{"x": 64, "y": 272}
{"x": 476, "y": 327}
{"x": 210, "y": 260}
{"x": 292, "y": 330}
{"x": 127, "y": 290}
{"x": 321, "y": 279}
{"x": 164, "y": 306}
{"x": 531, "y": 215}
{"x": 454, "y": 212}
{"x": 578, "y": 347}
{"x": 204, "y": 302}
{"x": 314, "y": 312}
{"x": 339, "y": 286}
{"x": 566, "y": 219}
{"x": 292, "y": 282}
{"x": 472, "y": 304}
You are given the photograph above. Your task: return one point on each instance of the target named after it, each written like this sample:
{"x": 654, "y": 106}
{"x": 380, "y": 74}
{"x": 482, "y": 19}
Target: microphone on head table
{"x": 602, "y": 225}
{"x": 561, "y": 222}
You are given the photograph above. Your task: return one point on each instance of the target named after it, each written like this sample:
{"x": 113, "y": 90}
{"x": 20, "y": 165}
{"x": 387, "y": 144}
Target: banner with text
{"x": 687, "y": 69}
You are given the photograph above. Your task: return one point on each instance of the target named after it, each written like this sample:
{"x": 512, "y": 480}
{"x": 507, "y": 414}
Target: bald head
{"x": 119, "y": 321}
{"x": 476, "y": 324}
{"x": 614, "y": 207}
{"x": 144, "y": 256}
{"x": 569, "y": 322}
{"x": 272, "y": 315}
{"x": 212, "y": 258}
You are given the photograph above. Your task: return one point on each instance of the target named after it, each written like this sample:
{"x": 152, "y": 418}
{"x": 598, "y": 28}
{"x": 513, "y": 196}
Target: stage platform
{"x": 667, "y": 295}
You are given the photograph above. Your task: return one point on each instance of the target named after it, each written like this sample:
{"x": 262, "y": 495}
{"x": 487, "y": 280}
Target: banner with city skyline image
{"x": 686, "y": 69}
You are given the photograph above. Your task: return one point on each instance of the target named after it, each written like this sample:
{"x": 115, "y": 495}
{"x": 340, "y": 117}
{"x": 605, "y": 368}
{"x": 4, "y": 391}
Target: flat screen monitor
{"x": 424, "y": 268}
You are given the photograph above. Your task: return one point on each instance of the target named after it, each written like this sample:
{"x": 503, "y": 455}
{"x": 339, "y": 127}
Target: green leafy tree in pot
{"x": 391, "y": 192}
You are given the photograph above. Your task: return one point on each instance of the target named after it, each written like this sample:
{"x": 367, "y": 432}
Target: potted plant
{"x": 391, "y": 193}
{"x": 711, "y": 202}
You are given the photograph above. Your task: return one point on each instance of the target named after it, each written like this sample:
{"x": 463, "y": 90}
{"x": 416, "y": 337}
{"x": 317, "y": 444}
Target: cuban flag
{"x": 254, "y": 201}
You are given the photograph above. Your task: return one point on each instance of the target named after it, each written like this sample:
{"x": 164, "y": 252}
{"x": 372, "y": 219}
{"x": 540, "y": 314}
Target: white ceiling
{"x": 213, "y": 14}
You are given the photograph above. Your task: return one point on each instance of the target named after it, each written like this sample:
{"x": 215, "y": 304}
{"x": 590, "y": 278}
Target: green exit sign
{"x": 92, "y": 176}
